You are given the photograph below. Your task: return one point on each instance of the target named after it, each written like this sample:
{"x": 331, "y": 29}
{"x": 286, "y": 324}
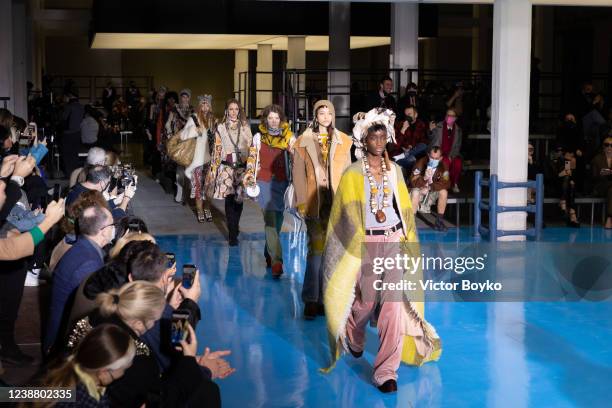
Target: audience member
{"x": 448, "y": 136}
{"x": 430, "y": 182}
{"x": 602, "y": 176}
{"x": 382, "y": 97}
{"x": 102, "y": 357}
{"x": 96, "y": 156}
{"x": 95, "y": 230}
{"x": 410, "y": 139}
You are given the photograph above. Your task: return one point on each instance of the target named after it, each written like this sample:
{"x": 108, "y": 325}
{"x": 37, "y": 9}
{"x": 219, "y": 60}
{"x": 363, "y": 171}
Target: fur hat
{"x": 205, "y": 98}
{"x": 363, "y": 121}
{"x": 329, "y": 105}
{"x": 185, "y": 91}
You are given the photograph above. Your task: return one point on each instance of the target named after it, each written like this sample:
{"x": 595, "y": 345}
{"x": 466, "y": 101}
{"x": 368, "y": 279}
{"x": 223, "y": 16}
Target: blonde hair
{"x": 127, "y": 238}
{"x": 138, "y": 300}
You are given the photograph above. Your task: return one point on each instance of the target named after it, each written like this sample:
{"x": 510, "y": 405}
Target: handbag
{"x": 182, "y": 151}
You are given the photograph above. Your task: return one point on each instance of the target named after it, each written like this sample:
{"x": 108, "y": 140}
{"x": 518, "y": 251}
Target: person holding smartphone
{"x": 566, "y": 182}
{"x": 602, "y": 177}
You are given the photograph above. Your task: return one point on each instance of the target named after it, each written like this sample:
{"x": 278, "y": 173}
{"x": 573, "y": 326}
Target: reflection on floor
{"x": 495, "y": 354}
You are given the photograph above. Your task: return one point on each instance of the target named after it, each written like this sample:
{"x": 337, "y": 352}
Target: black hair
{"x": 411, "y": 107}
{"x": 4, "y": 134}
{"x": 130, "y": 223}
{"x": 375, "y": 128}
{"x": 432, "y": 149}
{"x": 97, "y": 173}
{"x": 148, "y": 264}
{"x": 385, "y": 78}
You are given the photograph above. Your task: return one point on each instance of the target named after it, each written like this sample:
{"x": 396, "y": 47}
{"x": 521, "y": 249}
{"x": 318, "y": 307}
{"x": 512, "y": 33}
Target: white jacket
{"x": 202, "y": 153}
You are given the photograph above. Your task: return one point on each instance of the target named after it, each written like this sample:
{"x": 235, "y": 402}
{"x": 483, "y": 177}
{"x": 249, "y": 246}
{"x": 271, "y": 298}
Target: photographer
{"x": 100, "y": 178}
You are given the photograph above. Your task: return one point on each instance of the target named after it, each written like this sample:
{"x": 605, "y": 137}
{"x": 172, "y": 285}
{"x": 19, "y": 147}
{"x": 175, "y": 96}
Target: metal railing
{"x": 89, "y": 88}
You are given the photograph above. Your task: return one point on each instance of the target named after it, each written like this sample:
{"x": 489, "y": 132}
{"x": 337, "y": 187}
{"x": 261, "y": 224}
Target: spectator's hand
{"x": 432, "y": 125}
{"x": 218, "y": 366}
{"x": 189, "y": 348}
{"x": 55, "y": 211}
{"x": 2, "y": 193}
{"x": 8, "y": 165}
{"x": 579, "y": 153}
{"x": 44, "y": 141}
{"x": 24, "y": 166}
{"x": 405, "y": 126}
{"x": 194, "y": 291}
{"x": 565, "y": 172}
{"x": 130, "y": 191}
{"x": 597, "y": 99}
{"x": 175, "y": 296}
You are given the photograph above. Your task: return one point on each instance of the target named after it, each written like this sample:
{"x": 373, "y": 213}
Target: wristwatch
{"x": 18, "y": 179}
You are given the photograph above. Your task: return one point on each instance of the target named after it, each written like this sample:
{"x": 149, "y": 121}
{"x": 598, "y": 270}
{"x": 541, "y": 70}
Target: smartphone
{"x": 178, "y": 329}
{"x": 567, "y": 165}
{"x": 189, "y": 272}
{"x": 57, "y": 192}
{"x": 171, "y": 259}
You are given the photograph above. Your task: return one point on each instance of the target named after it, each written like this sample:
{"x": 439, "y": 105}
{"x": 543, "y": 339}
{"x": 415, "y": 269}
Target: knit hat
{"x": 205, "y": 98}
{"x": 185, "y": 91}
{"x": 329, "y": 105}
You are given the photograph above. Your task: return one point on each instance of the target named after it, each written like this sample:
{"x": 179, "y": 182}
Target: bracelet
{"x": 37, "y": 235}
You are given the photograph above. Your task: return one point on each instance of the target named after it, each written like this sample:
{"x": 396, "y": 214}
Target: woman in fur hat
{"x": 232, "y": 142}
{"x": 372, "y": 206}
{"x": 202, "y": 127}
{"x": 321, "y": 154}
{"x": 177, "y": 120}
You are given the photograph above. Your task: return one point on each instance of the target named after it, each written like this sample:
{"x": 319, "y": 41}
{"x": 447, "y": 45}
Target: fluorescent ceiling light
{"x": 145, "y": 41}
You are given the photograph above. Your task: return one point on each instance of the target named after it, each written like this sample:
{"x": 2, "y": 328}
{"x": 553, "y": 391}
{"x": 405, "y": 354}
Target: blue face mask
{"x": 433, "y": 163}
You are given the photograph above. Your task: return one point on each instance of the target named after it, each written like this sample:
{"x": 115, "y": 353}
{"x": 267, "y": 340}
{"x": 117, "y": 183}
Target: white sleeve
{"x": 190, "y": 130}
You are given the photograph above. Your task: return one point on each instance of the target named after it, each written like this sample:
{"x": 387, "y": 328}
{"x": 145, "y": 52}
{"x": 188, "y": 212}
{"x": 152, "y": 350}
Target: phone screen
{"x": 171, "y": 260}
{"x": 189, "y": 271}
{"x": 57, "y": 192}
{"x": 178, "y": 329}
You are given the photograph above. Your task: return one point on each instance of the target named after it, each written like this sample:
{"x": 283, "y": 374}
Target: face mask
{"x": 410, "y": 119}
{"x": 450, "y": 120}
{"x": 433, "y": 163}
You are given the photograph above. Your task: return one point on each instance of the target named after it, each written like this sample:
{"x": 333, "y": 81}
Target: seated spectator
{"x": 95, "y": 230}
{"x": 447, "y": 135}
{"x": 136, "y": 307}
{"x": 382, "y": 98}
{"x": 602, "y": 177}
{"x": 70, "y": 140}
{"x": 95, "y": 157}
{"x": 410, "y": 139}
{"x": 410, "y": 98}
{"x": 533, "y": 169}
{"x": 102, "y": 357}
{"x": 85, "y": 200}
{"x": 569, "y": 135}
{"x": 430, "y": 182}
{"x": 89, "y": 127}
{"x": 565, "y": 169}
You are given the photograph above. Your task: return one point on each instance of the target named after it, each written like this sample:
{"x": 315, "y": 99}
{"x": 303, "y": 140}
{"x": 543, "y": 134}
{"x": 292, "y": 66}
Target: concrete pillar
{"x": 405, "y": 39}
{"x": 20, "y": 77}
{"x": 263, "y": 81}
{"x": 296, "y": 59}
{"x": 241, "y": 64}
{"x": 476, "y": 38}
{"x": 339, "y": 82}
{"x": 510, "y": 104}
{"x": 6, "y": 53}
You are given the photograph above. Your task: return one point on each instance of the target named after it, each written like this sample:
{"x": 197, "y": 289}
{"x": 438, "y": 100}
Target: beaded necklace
{"x": 374, "y": 205}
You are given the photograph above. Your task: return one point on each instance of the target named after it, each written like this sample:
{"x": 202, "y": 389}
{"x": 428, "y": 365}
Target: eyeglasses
{"x": 607, "y": 144}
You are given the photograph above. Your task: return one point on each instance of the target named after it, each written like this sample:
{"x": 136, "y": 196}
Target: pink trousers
{"x": 389, "y": 325}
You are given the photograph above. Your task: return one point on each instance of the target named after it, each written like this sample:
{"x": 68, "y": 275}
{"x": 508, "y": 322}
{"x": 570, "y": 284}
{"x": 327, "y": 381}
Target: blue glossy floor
{"x": 495, "y": 354}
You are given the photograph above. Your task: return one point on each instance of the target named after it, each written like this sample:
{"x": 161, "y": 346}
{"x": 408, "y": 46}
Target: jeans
{"x": 410, "y": 156}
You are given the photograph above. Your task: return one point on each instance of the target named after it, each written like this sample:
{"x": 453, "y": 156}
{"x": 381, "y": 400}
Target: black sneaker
{"x": 15, "y": 356}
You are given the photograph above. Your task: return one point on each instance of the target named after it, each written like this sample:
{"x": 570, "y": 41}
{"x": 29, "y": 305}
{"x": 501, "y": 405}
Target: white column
{"x": 263, "y": 81}
{"x": 405, "y": 39}
{"x": 241, "y": 64}
{"x": 339, "y": 82}
{"x": 510, "y": 104}
{"x": 6, "y": 52}
{"x": 296, "y": 59}
{"x": 20, "y": 77}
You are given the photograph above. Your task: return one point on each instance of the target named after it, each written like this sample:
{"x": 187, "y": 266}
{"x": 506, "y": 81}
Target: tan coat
{"x": 309, "y": 176}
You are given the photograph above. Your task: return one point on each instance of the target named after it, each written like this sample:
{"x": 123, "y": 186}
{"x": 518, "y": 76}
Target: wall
{"x": 210, "y": 72}
{"x": 72, "y": 56}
